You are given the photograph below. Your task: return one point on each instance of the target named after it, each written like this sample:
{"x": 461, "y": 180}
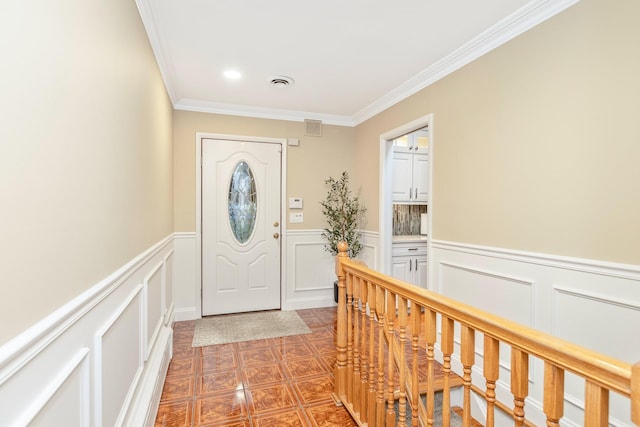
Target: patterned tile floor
{"x": 272, "y": 382}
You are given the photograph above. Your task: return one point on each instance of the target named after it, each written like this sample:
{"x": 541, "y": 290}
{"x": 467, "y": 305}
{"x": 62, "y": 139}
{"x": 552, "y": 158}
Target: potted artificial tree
{"x": 344, "y": 214}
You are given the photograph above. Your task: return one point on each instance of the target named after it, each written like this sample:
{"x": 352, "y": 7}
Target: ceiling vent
{"x": 312, "y": 127}
{"x": 280, "y": 81}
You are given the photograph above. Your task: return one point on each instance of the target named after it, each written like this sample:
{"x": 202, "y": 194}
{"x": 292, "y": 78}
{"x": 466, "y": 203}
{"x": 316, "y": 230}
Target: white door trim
{"x": 283, "y": 191}
{"x": 386, "y": 202}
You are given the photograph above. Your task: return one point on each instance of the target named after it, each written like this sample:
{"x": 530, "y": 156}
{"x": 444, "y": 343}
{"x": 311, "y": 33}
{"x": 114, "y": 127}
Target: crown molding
{"x": 162, "y": 57}
{"x": 259, "y": 112}
{"x": 508, "y": 28}
{"x": 532, "y": 14}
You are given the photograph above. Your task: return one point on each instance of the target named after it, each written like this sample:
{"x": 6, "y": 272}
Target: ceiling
{"x": 349, "y": 59}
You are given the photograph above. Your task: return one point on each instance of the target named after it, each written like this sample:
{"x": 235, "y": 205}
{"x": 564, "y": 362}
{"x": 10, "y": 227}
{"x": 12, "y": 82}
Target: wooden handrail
{"x": 604, "y": 370}
{"x": 635, "y": 393}
{"x": 601, "y": 373}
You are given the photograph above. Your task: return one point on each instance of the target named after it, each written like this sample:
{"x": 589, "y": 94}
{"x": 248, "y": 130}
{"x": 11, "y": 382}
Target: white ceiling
{"x": 349, "y": 59}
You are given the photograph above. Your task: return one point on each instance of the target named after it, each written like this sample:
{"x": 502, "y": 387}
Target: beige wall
{"x": 308, "y": 165}
{"x": 536, "y": 143}
{"x": 85, "y": 151}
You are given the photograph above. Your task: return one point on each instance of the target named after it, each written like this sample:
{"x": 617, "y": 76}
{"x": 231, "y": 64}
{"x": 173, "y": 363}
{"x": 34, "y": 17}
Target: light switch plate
{"x": 296, "y": 218}
{"x": 295, "y": 202}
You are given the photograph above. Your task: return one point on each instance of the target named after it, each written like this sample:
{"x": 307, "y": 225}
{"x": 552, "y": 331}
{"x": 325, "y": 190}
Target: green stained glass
{"x": 243, "y": 202}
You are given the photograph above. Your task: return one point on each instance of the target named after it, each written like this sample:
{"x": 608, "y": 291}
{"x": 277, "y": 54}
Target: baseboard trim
{"x": 186, "y": 313}
{"x": 144, "y": 407}
{"x": 302, "y": 304}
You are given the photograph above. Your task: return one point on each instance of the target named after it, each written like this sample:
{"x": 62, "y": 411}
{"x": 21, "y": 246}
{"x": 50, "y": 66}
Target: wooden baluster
{"x": 415, "y": 335}
{"x": 371, "y": 404}
{"x": 596, "y": 405}
{"x": 355, "y": 379}
{"x": 635, "y": 394}
{"x": 468, "y": 352}
{"x": 447, "y": 350}
{"x": 340, "y": 372}
{"x": 402, "y": 323}
{"x": 553, "y": 403}
{"x": 364, "y": 356}
{"x": 519, "y": 383}
{"x": 380, "y": 402}
{"x": 491, "y": 370}
{"x": 430, "y": 337}
{"x": 350, "y": 338}
{"x": 391, "y": 316}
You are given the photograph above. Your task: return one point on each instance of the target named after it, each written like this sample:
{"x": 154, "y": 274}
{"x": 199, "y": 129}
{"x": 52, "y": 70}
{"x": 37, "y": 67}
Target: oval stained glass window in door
{"x": 243, "y": 202}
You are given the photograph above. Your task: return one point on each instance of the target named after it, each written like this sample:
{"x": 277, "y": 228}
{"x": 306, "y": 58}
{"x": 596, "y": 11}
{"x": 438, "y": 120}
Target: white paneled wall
{"x": 101, "y": 359}
{"x": 308, "y": 277}
{"x": 186, "y": 287}
{"x": 311, "y": 269}
{"x": 591, "y": 303}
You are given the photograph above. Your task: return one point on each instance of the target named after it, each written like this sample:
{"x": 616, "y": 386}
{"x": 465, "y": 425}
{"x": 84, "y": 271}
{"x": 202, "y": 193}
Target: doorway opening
{"x": 386, "y": 187}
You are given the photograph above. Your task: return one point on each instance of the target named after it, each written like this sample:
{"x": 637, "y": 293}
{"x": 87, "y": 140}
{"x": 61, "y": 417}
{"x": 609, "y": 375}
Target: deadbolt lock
{"x": 275, "y": 224}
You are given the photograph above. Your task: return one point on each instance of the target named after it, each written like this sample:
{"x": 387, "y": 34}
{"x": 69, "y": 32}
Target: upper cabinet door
{"x": 411, "y": 168}
{"x": 421, "y": 141}
{"x": 402, "y": 179}
{"x": 421, "y": 177}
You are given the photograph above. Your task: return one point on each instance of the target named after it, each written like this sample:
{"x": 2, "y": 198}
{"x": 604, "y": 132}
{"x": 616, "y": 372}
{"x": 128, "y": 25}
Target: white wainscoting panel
{"x": 590, "y": 303}
{"x": 154, "y": 310}
{"x": 605, "y": 319}
{"x": 369, "y": 254}
{"x": 122, "y": 331}
{"x": 66, "y": 398}
{"x": 167, "y": 290}
{"x": 307, "y": 282}
{"x": 84, "y": 364}
{"x": 311, "y": 269}
{"x": 186, "y": 289}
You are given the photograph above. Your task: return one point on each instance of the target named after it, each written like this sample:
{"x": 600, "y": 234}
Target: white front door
{"x": 240, "y": 226}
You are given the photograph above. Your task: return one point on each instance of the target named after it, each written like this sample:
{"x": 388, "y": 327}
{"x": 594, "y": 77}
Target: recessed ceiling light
{"x": 232, "y": 74}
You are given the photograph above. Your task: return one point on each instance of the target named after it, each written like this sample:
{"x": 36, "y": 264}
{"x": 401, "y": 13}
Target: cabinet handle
{"x": 416, "y": 197}
{"x": 413, "y": 249}
{"x": 416, "y": 265}
{"x": 410, "y": 264}
{"x": 410, "y": 191}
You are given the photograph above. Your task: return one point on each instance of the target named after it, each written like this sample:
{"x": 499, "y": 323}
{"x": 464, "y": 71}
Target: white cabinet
{"x": 410, "y": 177}
{"x": 409, "y": 263}
{"x": 414, "y": 142}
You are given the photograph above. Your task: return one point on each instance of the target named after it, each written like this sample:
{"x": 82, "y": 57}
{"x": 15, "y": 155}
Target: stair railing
{"x": 386, "y": 346}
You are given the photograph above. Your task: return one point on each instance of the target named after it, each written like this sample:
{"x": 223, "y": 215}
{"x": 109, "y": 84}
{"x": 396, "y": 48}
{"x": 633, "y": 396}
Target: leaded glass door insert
{"x": 243, "y": 202}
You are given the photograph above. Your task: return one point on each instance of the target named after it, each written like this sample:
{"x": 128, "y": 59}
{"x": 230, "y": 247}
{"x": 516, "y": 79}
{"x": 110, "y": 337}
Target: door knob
{"x": 276, "y": 235}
